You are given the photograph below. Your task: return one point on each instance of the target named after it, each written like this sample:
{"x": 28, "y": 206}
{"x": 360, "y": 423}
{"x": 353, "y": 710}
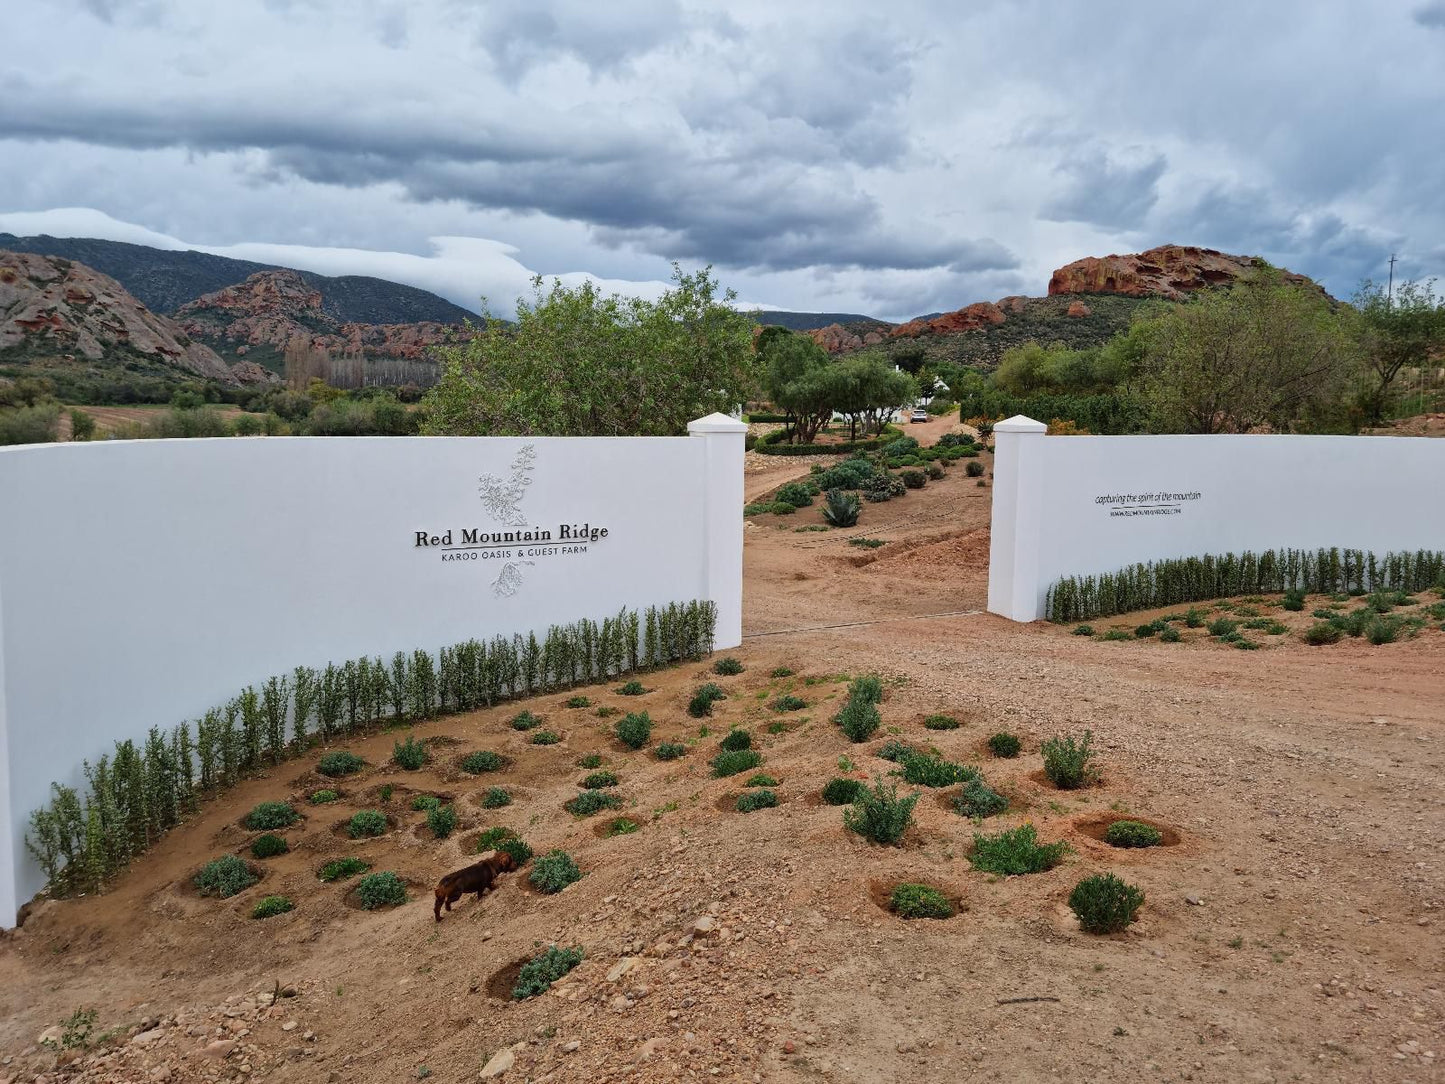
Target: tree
{"x": 1400, "y": 332}
{"x": 800, "y": 380}
{"x": 578, "y": 363}
{"x": 1265, "y": 352}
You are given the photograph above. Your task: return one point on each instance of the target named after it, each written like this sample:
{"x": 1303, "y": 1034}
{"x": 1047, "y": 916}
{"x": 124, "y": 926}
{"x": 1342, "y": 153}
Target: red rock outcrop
{"x": 969, "y": 318}
{"x": 274, "y": 307}
{"x": 1170, "y": 271}
{"x": 1078, "y": 308}
{"x": 65, "y": 307}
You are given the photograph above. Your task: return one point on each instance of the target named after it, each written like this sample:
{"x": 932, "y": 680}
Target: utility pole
{"x": 1390, "y": 294}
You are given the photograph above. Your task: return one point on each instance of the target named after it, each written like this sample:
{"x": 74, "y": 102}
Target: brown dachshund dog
{"x": 477, "y": 878}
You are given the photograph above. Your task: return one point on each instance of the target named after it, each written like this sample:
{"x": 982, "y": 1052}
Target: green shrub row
{"x": 775, "y": 443}
{"x": 1196, "y": 579}
{"x": 139, "y": 791}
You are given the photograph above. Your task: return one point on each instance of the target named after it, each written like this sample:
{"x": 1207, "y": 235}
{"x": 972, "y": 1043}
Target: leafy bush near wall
{"x": 1196, "y": 579}
{"x": 135, "y": 794}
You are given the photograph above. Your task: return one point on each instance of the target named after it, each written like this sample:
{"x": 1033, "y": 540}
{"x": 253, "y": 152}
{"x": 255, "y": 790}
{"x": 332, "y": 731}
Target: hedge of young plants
{"x": 132, "y": 796}
{"x": 1196, "y": 579}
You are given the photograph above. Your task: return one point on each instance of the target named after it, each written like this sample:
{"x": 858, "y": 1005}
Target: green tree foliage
{"x": 1265, "y": 352}
{"x": 797, "y": 375}
{"x": 581, "y": 363}
{"x": 1400, "y": 332}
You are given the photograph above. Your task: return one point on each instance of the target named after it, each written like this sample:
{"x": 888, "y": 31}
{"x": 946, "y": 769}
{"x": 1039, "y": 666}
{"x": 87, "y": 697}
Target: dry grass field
{"x": 1291, "y": 929}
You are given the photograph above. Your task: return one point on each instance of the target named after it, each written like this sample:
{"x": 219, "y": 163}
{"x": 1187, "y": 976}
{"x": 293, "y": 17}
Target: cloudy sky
{"x": 890, "y": 159}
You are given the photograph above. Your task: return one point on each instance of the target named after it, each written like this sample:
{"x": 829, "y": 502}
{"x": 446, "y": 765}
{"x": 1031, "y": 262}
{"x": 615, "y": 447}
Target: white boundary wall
{"x": 1067, "y": 506}
{"x": 144, "y": 582}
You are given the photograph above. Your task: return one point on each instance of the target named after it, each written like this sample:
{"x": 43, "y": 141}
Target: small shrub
{"x": 607, "y": 712}
{"x": 1170, "y": 635}
{"x": 1194, "y": 618}
{"x": 321, "y": 797}
{"x": 1294, "y": 600}
{"x": 1223, "y": 626}
{"x": 867, "y": 543}
{"x": 385, "y": 793}
{"x": 541, "y": 971}
{"x": 339, "y": 763}
{"x": 1066, "y": 761}
{"x": 504, "y": 841}
{"x": 1104, "y": 903}
{"x": 895, "y": 750}
{"x": 495, "y": 798}
{"x": 868, "y": 688}
{"x": 781, "y": 672}
{"x": 483, "y": 760}
{"x": 592, "y": 801}
{"x": 879, "y": 815}
{"x": 842, "y": 791}
{"x": 598, "y": 780}
{"x": 524, "y": 720}
{"x": 545, "y": 737}
{"x": 1006, "y": 745}
{"x": 762, "y": 779}
{"x": 426, "y": 802}
{"x": 409, "y": 755}
{"x": 381, "y": 890}
{"x": 737, "y": 739}
{"x": 268, "y": 846}
{"x": 789, "y": 702}
{"x": 442, "y": 821}
{"x": 1118, "y": 634}
{"x": 934, "y": 472}
{"x": 1383, "y": 630}
{"x": 798, "y": 494}
{"x": 271, "y": 905}
{"x": 368, "y": 822}
{"x": 978, "y": 799}
{"x": 591, "y": 760}
{"x": 919, "y": 901}
{"x": 727, "y": 666}
{"x": 271, "y": 815}
{"x": 703, "y": 699}
{"x": 632, "y": 688}
{"x": 339, "y": 869}
{"x": 757, "y": 799}
{"x": 1084, "y": 630}
{"x": 1143, "y": 632}
{"x": 670, "y": 750}
{"x": 1244, "y": 644}
{"x": 1016, "y": 851}
{"x": 973, "y": 468}
{"x": 621, "y": 826}
{"x": 777, "y": 726}
{"x": 940, "y": 722}
{"x": 634, "y": 729}
{"x": 554, "y": 871}
{"x": 224, "y": 877}
{"x": 928, "y": 770}
{"x": 578, "y": 702}
{"x": 733, "y": 761}
{"x": 1132, "y": 834}
{"x": 859, "y": 719}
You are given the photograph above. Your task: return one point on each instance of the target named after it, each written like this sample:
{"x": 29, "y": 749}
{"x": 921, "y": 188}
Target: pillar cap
{"x": 716, "y": 423}
{"x": 1020, "y": 424}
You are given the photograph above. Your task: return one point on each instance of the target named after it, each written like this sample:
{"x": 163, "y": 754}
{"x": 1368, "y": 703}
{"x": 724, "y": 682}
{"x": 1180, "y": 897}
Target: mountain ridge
{"x": 166, "y": 279}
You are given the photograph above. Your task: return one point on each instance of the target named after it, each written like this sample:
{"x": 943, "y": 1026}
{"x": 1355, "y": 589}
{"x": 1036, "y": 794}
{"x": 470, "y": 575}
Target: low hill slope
{"x": 1089, "y": 301}
{"x": 255, "y": 320}
{"x": 56, "y": 310}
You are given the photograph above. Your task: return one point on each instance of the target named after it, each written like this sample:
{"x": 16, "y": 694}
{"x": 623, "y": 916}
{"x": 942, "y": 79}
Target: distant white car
{"x": 918, "y": 415}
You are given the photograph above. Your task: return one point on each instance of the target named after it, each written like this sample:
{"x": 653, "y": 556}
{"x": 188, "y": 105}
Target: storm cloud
{"x": 819, "y": 156}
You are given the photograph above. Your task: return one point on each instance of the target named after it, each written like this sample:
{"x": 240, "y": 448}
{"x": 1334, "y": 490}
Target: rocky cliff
{"x": 1169, "y": 271}
{"x": 271, "y": 308}
{"x": 54, "y": 306}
